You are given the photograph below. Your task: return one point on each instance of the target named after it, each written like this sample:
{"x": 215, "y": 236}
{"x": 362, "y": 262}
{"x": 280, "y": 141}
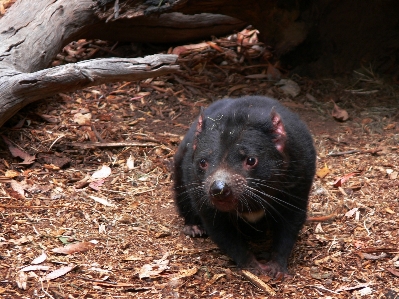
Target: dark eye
{"x": 251, "y": 161}
{"x": 203, "y": 163}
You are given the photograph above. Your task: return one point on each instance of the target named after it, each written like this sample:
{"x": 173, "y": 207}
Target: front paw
{"x": 274, "y": 270}
{"x": 271, "y": 268}
{"x": 194, "y": 231}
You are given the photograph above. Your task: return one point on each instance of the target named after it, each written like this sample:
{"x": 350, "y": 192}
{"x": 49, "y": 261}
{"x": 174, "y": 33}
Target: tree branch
{"x": 19, "y": 89}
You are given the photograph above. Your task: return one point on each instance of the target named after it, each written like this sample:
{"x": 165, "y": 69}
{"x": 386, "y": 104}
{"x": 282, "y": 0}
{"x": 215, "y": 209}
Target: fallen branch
{"x": 20, "y": 89}
{"x": 370, "y": 151}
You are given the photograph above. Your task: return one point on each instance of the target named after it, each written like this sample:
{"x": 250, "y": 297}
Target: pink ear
{"x": 198, "y": 129}
{"x": 199, "y": 124}
{"x": 278, "y": 130}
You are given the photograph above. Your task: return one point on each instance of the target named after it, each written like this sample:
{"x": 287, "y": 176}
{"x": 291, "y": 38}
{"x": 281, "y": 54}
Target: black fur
{"x": 243, "y": 158}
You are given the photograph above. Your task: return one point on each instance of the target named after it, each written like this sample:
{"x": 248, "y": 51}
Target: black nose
{"x": 219, "y": 189}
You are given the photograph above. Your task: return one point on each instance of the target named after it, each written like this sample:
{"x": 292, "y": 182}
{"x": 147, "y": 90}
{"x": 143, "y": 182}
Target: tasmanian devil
{"x": 242, "y": 172}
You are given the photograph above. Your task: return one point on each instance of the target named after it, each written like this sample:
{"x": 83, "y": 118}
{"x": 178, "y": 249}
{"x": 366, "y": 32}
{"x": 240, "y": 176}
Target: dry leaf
{"x": 393, "y": 175}
{"x": 11, "y": 174}
{"x": 365, "y": 291}
{"x": 102, "y": 201}
{"x": 75, "y": 247}
{"x": 273, "y": 73}
{"x": 82, "y": 119}
{"x": 373, "y": 257}
{"x": 18, "y": 187}
{"x": 351, "y": 212}
{"x": 21, "y": 279}
{"x": 393, "y": 272}
{"x": 319, "y": 229}
{"x": 35, "y": 268}
{"x": 343, "y": 179}
{"x": 58, "y": 273}
{"x": 154, "y": 269}
{"x": 51, "y": 167}
{"x": 22, "y": 240}
{"x": 339, "y": 113}
{"x": 289, "y": 87}
{"x": 40, "y": 259}
{"x": 95, "y": 185}
{"x": 185, "y": 273}
{"x": 390, "y": 126}
{"x": 16, "y": 152}
{"x": 388, "y": 210}
{"x": 321, "y": 173}
{"x": 50, "y": 118}
{"x": 130, "y": 163}
{"x": 102, "y": 173}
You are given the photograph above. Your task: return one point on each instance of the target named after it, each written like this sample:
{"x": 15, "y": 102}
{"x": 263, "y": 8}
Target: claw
{"x": 273, "y": 269}
{"x": 194, "y": 231}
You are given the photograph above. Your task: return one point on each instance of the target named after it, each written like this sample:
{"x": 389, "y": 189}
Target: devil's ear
{"x": 280, "y": 135}
{"x": 199, "y": 127}
{"x": 200, "y": 122}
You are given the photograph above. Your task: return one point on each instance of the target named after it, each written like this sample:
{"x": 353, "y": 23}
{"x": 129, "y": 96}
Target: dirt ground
{"x": 122, "y": 220}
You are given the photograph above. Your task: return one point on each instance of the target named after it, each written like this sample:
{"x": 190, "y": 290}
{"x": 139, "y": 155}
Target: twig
{"x": 323, "y": 289}
{"x": 109, "y": 144}
{"x": 258, "y": 282}
{"x": 361, "y": 91}
{"x": 369, "y": 151}
{"x": 58, "y": 138}
{"x": 32, "y": 207}
{"x": 343, "y": 153}
{"x": 321, "y": 218}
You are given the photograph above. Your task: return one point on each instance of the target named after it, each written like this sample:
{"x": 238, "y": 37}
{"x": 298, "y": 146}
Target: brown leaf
{"x": 59, "y": 272}
{"x": 11, "y": 174}
{"x": 16, "y": 152}
{"x": 343, "y": 179}
{"x": 273, "y": 73}
{"x": 339, "y": 113}
{"x": 82, "y": 119}
{"x": 50, "y": 118}
{"x": 75, "y": 247}
{"x": 154, "y": 269}
{"x": 321, "y": 173}
{"x": 393, "y": 272}
{"x": 19, "y": 187}
{"x": 185, "y": 273}
{"x": 95, "y": 185}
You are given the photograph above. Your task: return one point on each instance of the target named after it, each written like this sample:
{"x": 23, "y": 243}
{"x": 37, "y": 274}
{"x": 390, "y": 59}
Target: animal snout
{"x": 219, "y": 189}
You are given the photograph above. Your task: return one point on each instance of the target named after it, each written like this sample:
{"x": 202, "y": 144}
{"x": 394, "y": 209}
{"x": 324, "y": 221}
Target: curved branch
{"x": 20, "y": 89}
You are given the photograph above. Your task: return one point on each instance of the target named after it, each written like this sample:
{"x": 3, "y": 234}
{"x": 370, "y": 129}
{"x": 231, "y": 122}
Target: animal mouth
{"x": 226, "y": 204}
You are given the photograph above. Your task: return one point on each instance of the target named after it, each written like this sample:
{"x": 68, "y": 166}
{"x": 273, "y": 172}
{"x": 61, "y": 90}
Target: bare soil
{"x": 349, "y": 248}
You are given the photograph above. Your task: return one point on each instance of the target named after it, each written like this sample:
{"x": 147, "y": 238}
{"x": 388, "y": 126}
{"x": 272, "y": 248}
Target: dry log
{"x": 33, "y": 34}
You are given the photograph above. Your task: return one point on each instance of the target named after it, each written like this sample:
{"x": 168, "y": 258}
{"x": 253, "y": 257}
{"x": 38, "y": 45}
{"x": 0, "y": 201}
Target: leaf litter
{"x": 348, "y": 247}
